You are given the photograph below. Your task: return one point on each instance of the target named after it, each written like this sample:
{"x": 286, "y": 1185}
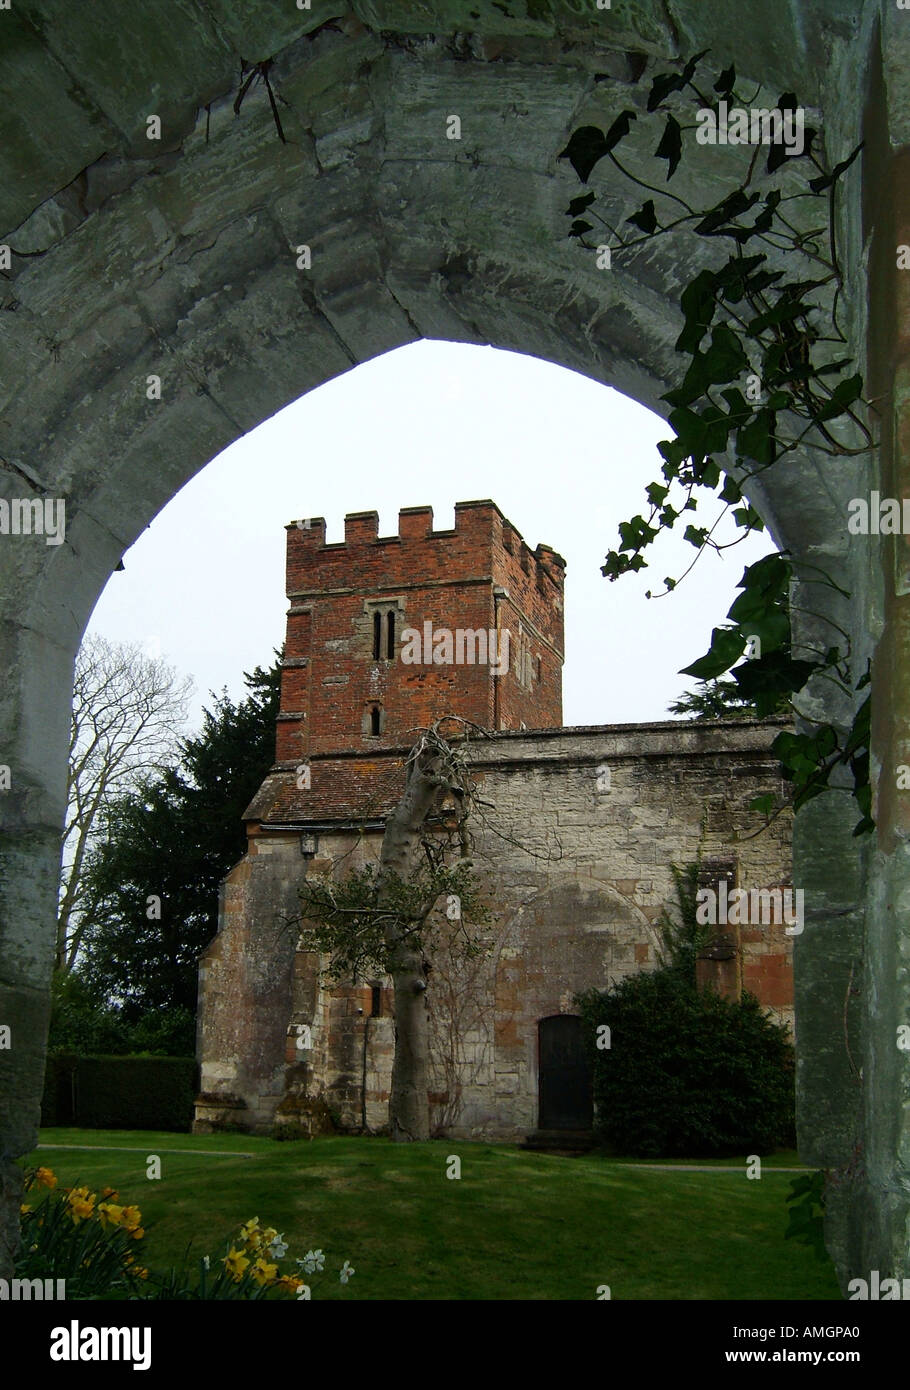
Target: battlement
{"x": 480, "y": 536}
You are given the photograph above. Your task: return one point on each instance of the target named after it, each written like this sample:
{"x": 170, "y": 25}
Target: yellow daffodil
{"x": 131, "y": 1218}
{"x": 250, "y": 1233}
{"x": 138, "y": 1233}
{"x": 110, "y": 1215}
{"x": 263, "y": 1273}
{"x": 81, "y": 1203}
{"x": 24, "y": 1207}
{"x": 45, "y": 1178}
{"x": 289, "y": 1283}
{"x": 235, "y": 1262}
{"x": 109, "y": 1195}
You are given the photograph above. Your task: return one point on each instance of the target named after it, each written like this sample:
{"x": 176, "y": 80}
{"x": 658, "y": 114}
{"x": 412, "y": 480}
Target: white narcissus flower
{"x": 313, "y": 1261}
{"x": 278, "y": 1248}
{"x": 205, "y": 1261}
{"x": 346, "y": 1272}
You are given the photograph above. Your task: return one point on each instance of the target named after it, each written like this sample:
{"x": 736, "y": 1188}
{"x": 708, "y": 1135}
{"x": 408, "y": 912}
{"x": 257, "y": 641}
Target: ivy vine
{"x": 764, "y": 374}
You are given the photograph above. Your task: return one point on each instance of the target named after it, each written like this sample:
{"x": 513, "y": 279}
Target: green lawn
{"x": 516, "y": 1225}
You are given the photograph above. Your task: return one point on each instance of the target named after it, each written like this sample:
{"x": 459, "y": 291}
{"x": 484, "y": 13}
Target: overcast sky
{"x": 565, "y": 459}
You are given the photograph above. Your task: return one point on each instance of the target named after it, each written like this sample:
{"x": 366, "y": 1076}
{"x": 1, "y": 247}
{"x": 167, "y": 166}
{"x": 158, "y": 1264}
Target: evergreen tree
{"x": 154, "y": 878}
{"x": 714, "y": 699}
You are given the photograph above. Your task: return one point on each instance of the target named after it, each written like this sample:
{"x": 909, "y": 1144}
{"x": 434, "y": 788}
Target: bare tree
{"x": 128, "y": 709}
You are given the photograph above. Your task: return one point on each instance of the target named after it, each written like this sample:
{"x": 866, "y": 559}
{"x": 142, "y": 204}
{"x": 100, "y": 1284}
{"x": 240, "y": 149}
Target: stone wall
{"x": 577, "y": 877}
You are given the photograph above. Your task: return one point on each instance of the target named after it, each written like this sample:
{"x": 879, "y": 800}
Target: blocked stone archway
{"x": 595, "y": 934}
{"x": 242, "y": 270}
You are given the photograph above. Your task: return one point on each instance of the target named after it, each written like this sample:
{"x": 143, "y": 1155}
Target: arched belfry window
{"x": 390, "y": 634}
{"x": 377, "y": 635}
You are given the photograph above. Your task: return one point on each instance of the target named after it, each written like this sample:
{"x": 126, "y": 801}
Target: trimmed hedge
{"x": 119, "y": 1092}
{"x": 688, "y": 1074}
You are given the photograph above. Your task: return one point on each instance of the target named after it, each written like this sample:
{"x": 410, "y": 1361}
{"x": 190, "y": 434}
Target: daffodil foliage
{"x": 765, "y": 372}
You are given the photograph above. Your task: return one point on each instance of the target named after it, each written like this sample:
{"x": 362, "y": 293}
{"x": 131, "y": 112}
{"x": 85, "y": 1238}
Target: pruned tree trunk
{"x": 409, "y": 1111}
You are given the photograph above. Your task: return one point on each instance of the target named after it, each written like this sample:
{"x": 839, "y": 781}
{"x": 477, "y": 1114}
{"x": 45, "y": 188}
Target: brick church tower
{"x": 387, "y": 633}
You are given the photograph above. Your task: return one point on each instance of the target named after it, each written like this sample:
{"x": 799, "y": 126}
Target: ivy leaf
{"x": 740, "y": 412}
{"x": 738, "y": 266}
{"x": 696, "y": 535}
{"x": 757, "y": 284}
{"x": 579, "y": 204}
{"x": 619, "y": 129}
{"x": 843, "y": 396}
{"x": 725, "y": 357}
{"x": 828, "y": 180}
{"x": 741, "y": 274}
{"x": 828, "y": 368}
{"x": 771, "y": 628}
{"x": 645, "y": 218}
{"x": 765, "y": 218}
{"x": 730, "y": 491}
{"x": 748, "y": 518}
{"x": 667, "y": 82}
{"x": 726, "y": 82}
{"x": 700, "y": 434}
{"x": 769, "y": 575}
{"x": 674, "y": 453}
{"x": 727, "y": 646}
{"x": 860, "y": 732}
{"x": 777, "y": 155}
{"x": 724, "y": 360}
{"x": 636, "y": 533}
{"x": 708, "y": 473}
{"x": 756, "y": 440}
{"x": 784, "y": 311}
{"x": 734, "y": 205}
{"x": 766, "y": 682}
{"x": 699, "y": 304}
{"x": 587, "y": 145}
{"x": 670, "y": 147}
{"x": 656, "y": 494}
{"x": 763, "y": 805}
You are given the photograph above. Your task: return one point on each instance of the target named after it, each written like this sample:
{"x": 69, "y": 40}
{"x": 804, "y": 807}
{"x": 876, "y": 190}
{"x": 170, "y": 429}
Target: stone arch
{"x": 179, "y": 261}
{"x": 595, "y": 934}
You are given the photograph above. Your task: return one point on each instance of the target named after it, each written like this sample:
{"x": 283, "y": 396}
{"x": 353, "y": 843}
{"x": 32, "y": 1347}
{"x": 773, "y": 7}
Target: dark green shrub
{"x": 687, "y": 1073}
{"x": 164, "y": 1033}
{"x": 80, "y": 1023}
{"x": 120, "y": 1092}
